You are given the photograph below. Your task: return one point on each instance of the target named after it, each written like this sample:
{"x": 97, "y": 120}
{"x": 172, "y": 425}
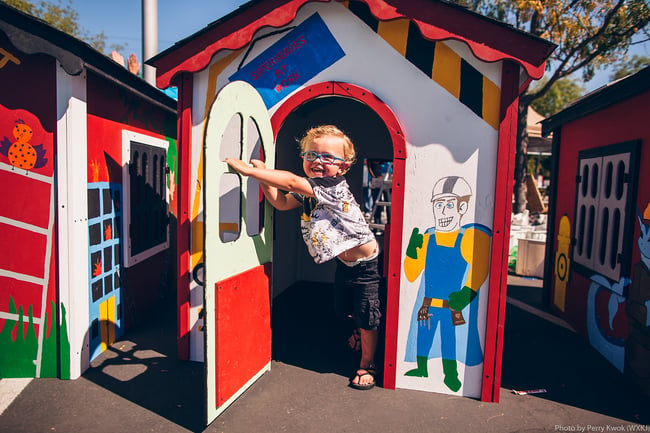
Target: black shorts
{"x": 356, "y": 293}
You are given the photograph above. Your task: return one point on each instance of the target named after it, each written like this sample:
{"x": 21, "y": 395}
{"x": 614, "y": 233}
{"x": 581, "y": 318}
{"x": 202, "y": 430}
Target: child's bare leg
{"x": 355, "y": 340}
{"x": 368, "y": 348}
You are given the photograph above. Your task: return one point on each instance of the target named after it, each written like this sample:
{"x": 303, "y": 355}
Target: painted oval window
{"x": 230, "y": 208}
{"x": 613, "y": 251}
{"x": 609, "y": 172}
{"x": 604, "y": 227}
{"x": 230, "y": 183}
{"x": 254, "y": 197}
{"x": 591, "y": 221}
{"x": 620, "y": 180}
{"x": 231, "y": 138}
{"x": 594, "y": 181}
{"x": 581, "y": 229}
{"x": 585, "y": 180}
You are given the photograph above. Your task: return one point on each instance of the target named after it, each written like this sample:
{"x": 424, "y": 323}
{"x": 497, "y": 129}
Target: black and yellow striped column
{"x": 438, "y": 61}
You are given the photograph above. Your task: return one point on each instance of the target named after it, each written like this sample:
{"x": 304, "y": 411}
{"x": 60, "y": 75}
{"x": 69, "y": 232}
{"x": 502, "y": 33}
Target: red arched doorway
{"x": 397, "y": 139}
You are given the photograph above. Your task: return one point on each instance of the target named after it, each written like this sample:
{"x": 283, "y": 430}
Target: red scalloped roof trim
{"x": 445, "y": 14}
{"x": 231, "y": 35}
{"x": 238, "y": 31}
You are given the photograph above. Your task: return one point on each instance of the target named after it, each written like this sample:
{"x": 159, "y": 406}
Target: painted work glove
{"x": 415, "y": 242}
{"x": 461, "y": 299}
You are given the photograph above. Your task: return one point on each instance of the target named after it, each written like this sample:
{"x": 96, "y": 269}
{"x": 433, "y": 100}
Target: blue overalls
{"x": 444, "y": 272}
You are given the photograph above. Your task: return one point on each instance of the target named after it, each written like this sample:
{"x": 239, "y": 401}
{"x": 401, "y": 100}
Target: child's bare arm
{"x": 278, "y": 199}
{"x": 271, "y": 180}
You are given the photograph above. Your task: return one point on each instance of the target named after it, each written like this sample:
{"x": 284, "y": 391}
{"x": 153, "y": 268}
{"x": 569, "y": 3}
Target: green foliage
{"x": 635, "y": 64}
{"x": 63, "y": 17}
{"x": 23, "y": 5}
{"x": 539, "y": 165}
{"x": 117, "y": 47}
{"x": 589, "y": 34}
{"x": 560, "y": 94}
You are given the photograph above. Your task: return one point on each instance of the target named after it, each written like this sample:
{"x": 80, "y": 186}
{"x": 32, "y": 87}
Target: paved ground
{"x": 139, "y": 386}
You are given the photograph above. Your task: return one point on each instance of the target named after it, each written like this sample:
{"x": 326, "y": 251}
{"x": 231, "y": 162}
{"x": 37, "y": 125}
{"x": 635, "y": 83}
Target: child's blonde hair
{"x": 330, "y": 130}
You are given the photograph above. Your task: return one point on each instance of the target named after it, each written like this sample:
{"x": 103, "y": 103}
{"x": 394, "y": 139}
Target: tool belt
{"x": 456, "y": 316}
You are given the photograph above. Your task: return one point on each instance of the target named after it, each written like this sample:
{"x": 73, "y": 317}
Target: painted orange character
{"x": 21, "y": 153}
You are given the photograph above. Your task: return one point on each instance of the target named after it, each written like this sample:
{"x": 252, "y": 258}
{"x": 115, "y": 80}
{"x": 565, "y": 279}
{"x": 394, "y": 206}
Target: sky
{"x": 121, "y": 22}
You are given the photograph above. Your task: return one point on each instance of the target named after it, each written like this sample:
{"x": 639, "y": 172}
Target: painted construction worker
{"x": 454, "y": 262}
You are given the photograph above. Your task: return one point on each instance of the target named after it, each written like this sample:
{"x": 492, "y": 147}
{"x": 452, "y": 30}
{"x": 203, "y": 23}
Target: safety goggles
{"x": 325, "y": 158}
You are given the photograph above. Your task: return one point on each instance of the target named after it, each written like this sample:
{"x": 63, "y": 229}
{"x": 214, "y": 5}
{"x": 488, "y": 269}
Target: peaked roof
{"x": 607, "y": 95}
{"x": 536, "y": 142}
{"x": 489, "y": 40}
{"x": 534, "y": 127}
{"x": 32, "y": 35}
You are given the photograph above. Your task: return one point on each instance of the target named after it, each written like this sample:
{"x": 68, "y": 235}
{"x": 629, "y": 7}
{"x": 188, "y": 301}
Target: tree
{"x": 589, "y": 34}
{"x": 64, "y": 18}
{"x": 559, "y": 95}
{"x": 635, "y": 64}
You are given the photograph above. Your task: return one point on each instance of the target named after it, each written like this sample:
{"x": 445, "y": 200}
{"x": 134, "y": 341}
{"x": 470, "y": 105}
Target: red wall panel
{"x": 622, "y": 122}
{"x": 31, "y": 208}
{"x": 22, "y": 292}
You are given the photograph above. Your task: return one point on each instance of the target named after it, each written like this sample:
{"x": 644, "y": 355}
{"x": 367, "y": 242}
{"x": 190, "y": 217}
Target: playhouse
{"x": 87, "y": 166}
{"x": 427, "y": 86}
{"x": 598, "y": 248}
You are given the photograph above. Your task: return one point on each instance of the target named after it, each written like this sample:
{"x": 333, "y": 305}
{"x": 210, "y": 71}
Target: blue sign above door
{"x": 293, "y": 60}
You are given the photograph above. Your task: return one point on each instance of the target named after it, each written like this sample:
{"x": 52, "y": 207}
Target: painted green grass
{"x": 19, "y": 356}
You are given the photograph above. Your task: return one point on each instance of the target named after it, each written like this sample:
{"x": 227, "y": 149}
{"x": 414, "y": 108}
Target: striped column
{"x": 438, "y": 61}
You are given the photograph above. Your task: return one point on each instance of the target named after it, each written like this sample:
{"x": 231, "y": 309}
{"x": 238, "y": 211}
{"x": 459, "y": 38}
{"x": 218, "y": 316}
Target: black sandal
{"x": 368, "y": 371}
